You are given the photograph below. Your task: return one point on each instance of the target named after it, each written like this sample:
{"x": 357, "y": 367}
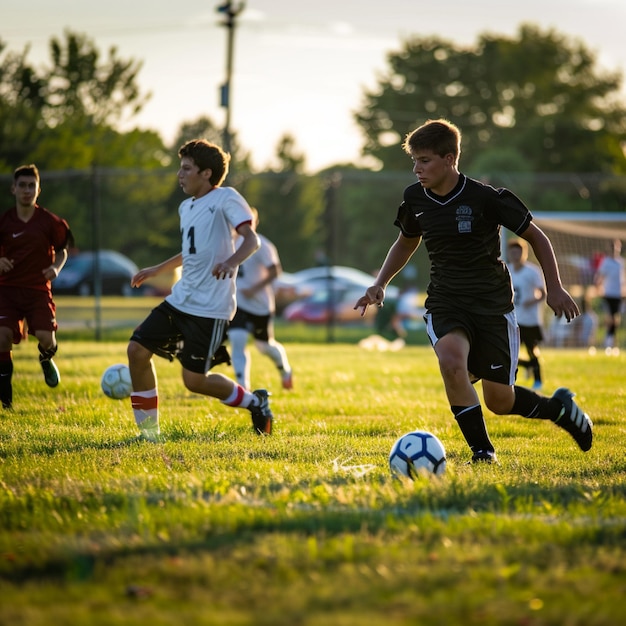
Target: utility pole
{"x": 230, "y": 12}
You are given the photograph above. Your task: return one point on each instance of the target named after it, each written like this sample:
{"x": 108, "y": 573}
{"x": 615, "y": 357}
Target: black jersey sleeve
{"x": 510, "y": 211}
{"x": 407, "y": 221}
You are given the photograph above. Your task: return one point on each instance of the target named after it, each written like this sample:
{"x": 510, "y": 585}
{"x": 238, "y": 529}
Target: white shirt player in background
{"x": 529, "y": 293}
{"x": 611, "y": 278}
{"x": 256, "y": 308}
{"x": 191, "y": 323}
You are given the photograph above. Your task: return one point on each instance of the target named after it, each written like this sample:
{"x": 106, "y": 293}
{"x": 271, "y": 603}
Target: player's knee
{"x": 136, "y": 353}
{"x": 500, "y": 404}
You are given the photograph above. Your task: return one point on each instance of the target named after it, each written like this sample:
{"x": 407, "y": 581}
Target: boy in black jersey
{"x": 469, "y": 306}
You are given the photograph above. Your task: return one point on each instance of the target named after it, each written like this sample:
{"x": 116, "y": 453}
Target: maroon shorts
{"x": 35, "y": 307}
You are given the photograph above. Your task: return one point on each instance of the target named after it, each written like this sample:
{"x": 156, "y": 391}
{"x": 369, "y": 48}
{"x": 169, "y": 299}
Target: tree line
{"x": 529, "y": 105}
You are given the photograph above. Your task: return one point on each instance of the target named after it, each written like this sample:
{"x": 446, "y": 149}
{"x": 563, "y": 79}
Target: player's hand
{"x": 223, "y": 271}
{"x": 563, "y": 304}
{"x": 142, "y": 275}
{"x": 373, "y": 295}
{"x": 50, "y": 273}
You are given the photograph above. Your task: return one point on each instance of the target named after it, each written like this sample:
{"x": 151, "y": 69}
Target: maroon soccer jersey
{"x": 31, "y": 246}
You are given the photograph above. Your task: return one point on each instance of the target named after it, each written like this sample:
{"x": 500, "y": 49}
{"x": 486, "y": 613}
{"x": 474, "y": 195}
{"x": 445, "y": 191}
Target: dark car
{"x": 78, "y": 275}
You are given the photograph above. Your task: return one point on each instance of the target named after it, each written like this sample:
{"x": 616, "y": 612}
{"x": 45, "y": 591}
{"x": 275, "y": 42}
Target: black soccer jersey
{"x": 461, "y": 232}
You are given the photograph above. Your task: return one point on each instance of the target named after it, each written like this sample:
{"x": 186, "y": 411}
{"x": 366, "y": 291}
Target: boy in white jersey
{"x": 529, "y": 292}
{"x": 256, "y": 307}
{"x": 191, "y": 323}
{"x": 611, "y": 278}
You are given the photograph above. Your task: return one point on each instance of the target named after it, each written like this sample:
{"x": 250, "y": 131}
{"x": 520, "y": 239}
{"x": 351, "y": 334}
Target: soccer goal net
{"x": 580, "y": 241}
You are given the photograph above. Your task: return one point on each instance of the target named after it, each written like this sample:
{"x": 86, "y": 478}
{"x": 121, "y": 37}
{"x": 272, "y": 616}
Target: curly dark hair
{"x": 207, "y": 156}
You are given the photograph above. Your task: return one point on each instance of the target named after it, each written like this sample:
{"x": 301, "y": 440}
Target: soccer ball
{"x": 116, "y": 381}
{"x": 417, "y": 453}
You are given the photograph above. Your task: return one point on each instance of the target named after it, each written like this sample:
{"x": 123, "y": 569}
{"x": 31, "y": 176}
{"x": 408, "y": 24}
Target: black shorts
{"x": 494, "y": 341}
{"x": 197, "y": 342}
{"x": 613, "y": 305}
{"x": 530, "y": 335}
{"x": 256, "y": 325}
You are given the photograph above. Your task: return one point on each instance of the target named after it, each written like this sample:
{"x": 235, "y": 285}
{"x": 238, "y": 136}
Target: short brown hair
{"x": 440, "y": 136}
{"x": 207, "y": 156}
{"x": 26, "y": 170}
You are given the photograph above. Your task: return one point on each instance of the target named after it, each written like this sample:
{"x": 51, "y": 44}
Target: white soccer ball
{"x": 116, "y": 381}
{"x": 417, "y": 453}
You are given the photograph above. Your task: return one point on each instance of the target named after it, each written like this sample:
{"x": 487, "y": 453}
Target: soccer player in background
{"x": 256, "y": 308}
{"x": 33, "y": 249}
{"x": 529, "y": 293}
{"x": 611, "y": 279}
{"x": 191, "y": 323}
{"x": 469, "y": 316}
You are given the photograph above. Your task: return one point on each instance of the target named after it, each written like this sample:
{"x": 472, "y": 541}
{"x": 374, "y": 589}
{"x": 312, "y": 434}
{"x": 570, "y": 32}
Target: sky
{"x": 299, "y": 67}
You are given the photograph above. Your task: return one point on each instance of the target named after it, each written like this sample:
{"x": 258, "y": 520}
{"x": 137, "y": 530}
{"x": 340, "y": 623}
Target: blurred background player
{"x": 529, "y": 293}
{"x": 611, "y": 279}
{"x": 33, "y": 249}
{"x": 190, "y": 324}
{"x": 256, "y": 308}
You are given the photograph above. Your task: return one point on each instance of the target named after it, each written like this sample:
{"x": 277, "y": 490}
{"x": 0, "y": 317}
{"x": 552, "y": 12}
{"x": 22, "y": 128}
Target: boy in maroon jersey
{"x": 33, "y": 249}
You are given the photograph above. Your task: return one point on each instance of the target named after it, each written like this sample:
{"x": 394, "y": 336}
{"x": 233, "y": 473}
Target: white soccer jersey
{"x": 526, "y": 281}
{"x": 611, "y": 270}
{"x": 251, "y": 272}
{"x": 207, "y": 227}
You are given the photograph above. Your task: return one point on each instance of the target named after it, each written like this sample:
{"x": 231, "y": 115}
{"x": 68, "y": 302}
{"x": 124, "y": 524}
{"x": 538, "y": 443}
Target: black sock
{"x": 529, "y": 403}
{"x": 472, "y": 424}
{"x": 6, "y": 387}
{"x": 46, "y": 355}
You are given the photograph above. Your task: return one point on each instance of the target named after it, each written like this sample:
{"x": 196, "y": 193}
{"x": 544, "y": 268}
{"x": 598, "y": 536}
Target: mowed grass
{"x": 219, "y": 526}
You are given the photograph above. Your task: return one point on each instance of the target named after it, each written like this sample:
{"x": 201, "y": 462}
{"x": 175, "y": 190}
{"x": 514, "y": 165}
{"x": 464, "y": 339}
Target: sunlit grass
{"x": 219, "y": 526}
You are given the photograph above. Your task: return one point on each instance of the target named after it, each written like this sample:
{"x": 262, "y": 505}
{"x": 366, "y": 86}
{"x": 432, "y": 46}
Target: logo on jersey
{"x": 464, "y": 218}
{"x": 16, "y": 235}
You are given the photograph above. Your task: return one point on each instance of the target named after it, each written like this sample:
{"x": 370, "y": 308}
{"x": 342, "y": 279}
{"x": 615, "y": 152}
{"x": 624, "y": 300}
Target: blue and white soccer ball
{"x": 116, "y": 381}
{"x": 417, "y": 453}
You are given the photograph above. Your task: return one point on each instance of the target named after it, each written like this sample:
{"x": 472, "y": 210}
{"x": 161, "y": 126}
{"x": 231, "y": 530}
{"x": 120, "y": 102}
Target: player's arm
{"x": 558, "y": 299}
{"x": 148, "y": 272}
{"x": 249, "y": 245}
{"x": 398, "y": 256}
{"x": 272, "y": 273}
{"x": 60, "y": 257}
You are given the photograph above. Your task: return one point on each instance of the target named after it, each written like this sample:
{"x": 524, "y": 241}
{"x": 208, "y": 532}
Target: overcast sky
{"x": 299, "y": 67}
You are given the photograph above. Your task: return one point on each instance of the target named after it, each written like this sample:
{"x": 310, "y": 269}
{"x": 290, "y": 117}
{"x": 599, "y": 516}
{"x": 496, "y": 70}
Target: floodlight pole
{"x": 231, "y": 13}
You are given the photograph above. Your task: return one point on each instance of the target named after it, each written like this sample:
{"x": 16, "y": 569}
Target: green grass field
{"x": 307, "y": 527}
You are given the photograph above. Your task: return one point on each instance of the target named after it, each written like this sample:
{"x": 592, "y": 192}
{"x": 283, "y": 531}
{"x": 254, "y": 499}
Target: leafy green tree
{"x": 21, "y": 100}
{"x": 539, "y": 93}
{"x": 81, "y": 85}
{"x": 290, "y": 205}
{"x": 66, "y": 117}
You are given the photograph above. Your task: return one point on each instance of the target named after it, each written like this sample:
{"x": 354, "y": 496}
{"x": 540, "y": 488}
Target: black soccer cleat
{"x": 573, "y": 419}
{"x": 262, "y": 418}
{"x": 485, "y": 456}
{"x": 50, "y": 372}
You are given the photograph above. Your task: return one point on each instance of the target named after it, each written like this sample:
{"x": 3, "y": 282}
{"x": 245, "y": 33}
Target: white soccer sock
{"x": 146, "y": 411}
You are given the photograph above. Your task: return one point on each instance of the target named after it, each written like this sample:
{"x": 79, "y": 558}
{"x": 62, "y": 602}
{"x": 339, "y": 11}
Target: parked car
{"x": 325, "y": 305}
{"x": 77, "y": 276}
{"x": 309, "y": 282}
